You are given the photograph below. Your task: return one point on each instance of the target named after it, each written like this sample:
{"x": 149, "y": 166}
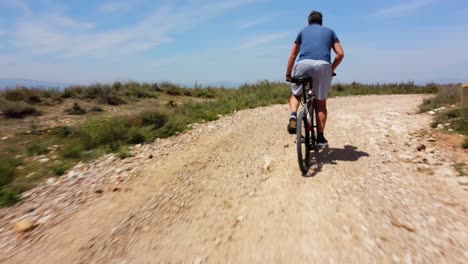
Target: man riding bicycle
{"x": 313, "y": 45}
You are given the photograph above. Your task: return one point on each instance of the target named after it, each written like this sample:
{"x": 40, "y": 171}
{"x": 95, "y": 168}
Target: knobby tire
{"x": 303, "y": 142}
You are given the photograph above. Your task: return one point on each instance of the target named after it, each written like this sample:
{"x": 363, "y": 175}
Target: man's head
{"x": 315, "y": 18}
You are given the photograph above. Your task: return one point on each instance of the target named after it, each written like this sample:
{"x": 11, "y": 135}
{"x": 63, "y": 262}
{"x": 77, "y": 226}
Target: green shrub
{"x": 33, "y": 99}
{"x": 105, "y": 131}
{"x": 465, "y": 143}
{"x": 123, "y": 153}
{"x": 447, "y": 95}
{"x": 155, "y": 87}
{"x": 64, "y": 131}
{"x": 117, "y": 86}
{"x": 135, "y": 136}
{"x": 18, "y": 94}
{"x": 154, "y": 119}
{"x": 37, "y": 149}
{"x": 457, "y": 117}
{"x": 7, "y": 170}
{"x": 174, "y": 91}
{"x": 76, "y": 109}
{"x": 111, "y": 98}
{"x": 61, "y": 168}
{"x": 68, "y": 93}
{"x": 139, "y": 92}
{"x": 73, "y": 151}
{"x": 18, "y": 110}
{"x": 356, "y": 88}
{"x": 97, "y": 108}
{"x": 8, "y": 198}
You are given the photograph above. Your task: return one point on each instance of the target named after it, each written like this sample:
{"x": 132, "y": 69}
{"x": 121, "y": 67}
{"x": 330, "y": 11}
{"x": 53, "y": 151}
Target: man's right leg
{"x": 322, "y": 81}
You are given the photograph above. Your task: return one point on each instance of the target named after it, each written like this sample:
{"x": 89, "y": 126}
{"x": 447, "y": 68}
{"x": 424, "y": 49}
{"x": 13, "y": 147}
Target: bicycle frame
{"x": 309, "y": 104}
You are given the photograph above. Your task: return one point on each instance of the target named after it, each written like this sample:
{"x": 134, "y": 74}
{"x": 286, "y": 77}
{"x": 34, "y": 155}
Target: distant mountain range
{"x": 13, "y": 83}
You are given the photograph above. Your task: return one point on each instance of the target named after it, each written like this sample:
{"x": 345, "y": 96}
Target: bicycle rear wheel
{"x": 303, "y": 141}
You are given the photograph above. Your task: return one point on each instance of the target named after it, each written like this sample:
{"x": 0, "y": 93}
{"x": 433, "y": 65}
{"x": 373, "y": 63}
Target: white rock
{"x": 431, "y": 139}
{"x": 4, "y": 138}
{"x": 240, "y": 219}
{"x": 462, "y": 181}
{"x": 44, "y": 219}
{"x": 440, "y": 126}
{"x": 406, "y": 157}
{"x": 431, "y": 113}
{"x": 197, "y": 260}
{"x": 445, "y": 172}
{"x": 44, "y": 160}
{"x": 51, "y": 181}
{"x": 267, "y": 163}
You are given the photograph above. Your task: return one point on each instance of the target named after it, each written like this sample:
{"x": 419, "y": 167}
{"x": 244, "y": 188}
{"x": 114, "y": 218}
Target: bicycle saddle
{"x": 302, "y": 79}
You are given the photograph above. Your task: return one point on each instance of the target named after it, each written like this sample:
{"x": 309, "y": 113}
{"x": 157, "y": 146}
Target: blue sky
{"x": 184, "y": 41}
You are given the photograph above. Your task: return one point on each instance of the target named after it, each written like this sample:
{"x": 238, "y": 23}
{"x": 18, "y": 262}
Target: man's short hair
{"x": 315, "y": 18}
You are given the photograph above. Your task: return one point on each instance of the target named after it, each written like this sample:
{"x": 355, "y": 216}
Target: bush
{"x": 137, "y": 91}
{"x": 8, "y": 198}
{"x": 75, "y": 110}
{"x": 97, "y": 108}
{"x": 37, "y": 149}
{"x": 72, "y": 151}
{"x": 447, "y": 95}
{"x": 154, "y": 119}
{"x": 174, "y": 91}
{"x": 18, "y": 110}
{"x": 123, "y": 153}
{"x": 105, "y": 131}
{"x": 15, "y": 95}
{"x": 68, "y": 93}
{"x": 61, "y": 168}
{"x": 465, "y": 143}
{"x": 7, "y": 170}
{"x": 111, "y": 98}
{"x": 155, "y": 87}
{"x": 64, "y": 131}
{"x": 458, "y": 119}
{"x": 117, "y": 86}
{"x": 33, "y": 99}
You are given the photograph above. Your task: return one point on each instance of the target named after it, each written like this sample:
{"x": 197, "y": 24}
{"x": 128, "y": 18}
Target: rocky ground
{"x": 230, "y": 191}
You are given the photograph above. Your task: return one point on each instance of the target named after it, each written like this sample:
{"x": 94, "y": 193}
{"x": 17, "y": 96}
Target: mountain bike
{"x": 307, "y": 123}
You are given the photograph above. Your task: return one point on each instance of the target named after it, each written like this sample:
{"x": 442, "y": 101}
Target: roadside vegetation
{"x": 449, "y": 115}
{"x": 108, "y": 122}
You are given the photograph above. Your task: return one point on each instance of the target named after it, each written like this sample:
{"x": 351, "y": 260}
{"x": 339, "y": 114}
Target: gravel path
{"x": 230, "y": 191}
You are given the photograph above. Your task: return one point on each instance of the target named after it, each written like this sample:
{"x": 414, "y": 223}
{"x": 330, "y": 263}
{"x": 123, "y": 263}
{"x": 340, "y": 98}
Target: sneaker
{"x": 292, "y": 125}
{"x": 322, "y": 143}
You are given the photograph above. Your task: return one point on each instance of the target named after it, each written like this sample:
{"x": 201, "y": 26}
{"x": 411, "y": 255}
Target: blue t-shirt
{"x": 316, "y": 42}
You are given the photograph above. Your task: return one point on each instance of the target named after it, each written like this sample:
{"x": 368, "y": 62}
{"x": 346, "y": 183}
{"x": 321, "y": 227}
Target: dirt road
{"x": 231, "y": 191}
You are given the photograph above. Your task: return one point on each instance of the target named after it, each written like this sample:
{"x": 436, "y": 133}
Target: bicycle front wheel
{"x": 303, "y": 141}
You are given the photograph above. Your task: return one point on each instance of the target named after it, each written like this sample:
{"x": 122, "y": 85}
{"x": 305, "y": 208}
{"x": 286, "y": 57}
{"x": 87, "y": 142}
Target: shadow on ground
{"x": 331, "y": 156}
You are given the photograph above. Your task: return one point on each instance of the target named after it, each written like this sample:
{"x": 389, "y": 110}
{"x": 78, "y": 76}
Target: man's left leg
{"x": 294, "y": 106}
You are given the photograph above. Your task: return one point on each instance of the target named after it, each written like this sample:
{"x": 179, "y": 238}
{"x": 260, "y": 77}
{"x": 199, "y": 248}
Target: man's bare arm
{"x": 339, "y": 55}
{"x": 292, "y": 58}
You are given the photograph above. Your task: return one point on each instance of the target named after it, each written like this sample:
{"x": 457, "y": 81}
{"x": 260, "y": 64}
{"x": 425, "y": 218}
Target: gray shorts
{"x": 321, "y": 73}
